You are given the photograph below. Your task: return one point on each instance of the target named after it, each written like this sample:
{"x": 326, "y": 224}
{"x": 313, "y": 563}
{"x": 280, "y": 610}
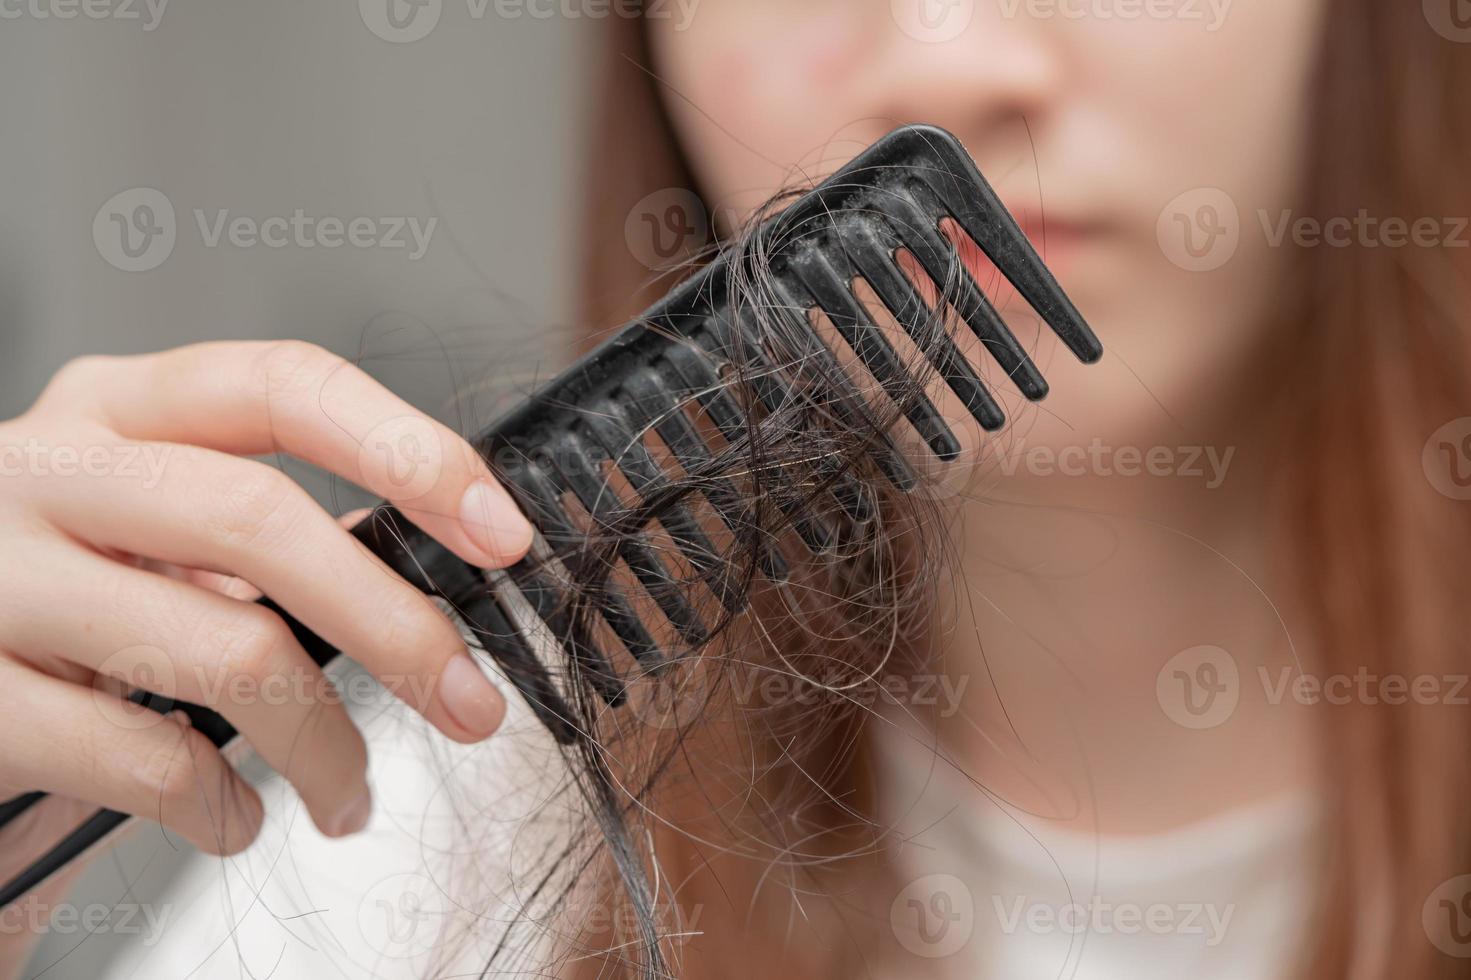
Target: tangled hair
{"x": 727, "y": 742}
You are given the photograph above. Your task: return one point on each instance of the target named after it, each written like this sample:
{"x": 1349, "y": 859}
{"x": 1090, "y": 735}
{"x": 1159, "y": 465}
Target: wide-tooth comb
{"x": 556, "y": 444}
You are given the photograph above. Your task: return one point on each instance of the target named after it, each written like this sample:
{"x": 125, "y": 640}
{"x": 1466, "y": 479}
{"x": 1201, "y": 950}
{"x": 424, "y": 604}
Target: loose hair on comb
{"x": 785, "y": 496}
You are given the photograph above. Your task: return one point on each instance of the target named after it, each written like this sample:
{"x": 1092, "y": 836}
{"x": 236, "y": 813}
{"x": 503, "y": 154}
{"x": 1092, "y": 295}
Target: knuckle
{"x": 255, "y": 507}
{"x": 252, "y": 645}
{"x": 289, "y": 368}
{"x": 82, "y": 370}
{"x": 410, "y": 637}
{"x": 411, "y": 623}
{"x": 77, "y": 378}
{"x": 176, "y": 773}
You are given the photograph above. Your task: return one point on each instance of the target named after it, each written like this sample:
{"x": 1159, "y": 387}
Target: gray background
{"x": 264, "y": 107}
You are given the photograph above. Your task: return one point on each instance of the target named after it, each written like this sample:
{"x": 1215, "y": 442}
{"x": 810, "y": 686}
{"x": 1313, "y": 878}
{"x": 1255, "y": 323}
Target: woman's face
{"x": 1161, "y": 140}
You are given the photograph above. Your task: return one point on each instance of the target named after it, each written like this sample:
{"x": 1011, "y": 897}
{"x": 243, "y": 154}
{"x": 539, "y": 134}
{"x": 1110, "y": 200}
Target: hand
{"x": 135, "y": 538}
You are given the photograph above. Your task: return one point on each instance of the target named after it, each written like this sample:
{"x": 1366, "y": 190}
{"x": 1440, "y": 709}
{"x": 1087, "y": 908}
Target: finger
{"x": 258, "y": 398}
{"x": 59, "y": 740}
{"x": 244, "y": 518}
{"x": 232, "y": 585}
{"x": 194, "y": 645}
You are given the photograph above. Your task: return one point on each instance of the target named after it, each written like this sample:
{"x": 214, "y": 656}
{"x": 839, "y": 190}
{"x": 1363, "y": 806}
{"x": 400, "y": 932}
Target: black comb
{"x": 558, "y": 444}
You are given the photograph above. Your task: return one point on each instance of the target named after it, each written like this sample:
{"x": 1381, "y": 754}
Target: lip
{"x": 1057, "y": 237}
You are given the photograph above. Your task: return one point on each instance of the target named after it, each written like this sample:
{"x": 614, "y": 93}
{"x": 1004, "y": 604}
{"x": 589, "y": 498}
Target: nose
{"x": 965, "y": 65}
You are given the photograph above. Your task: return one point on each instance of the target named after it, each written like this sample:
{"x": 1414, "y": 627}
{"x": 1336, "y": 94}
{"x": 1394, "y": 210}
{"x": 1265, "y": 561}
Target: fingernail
{"x": 492, "y": 521}
{"x": 470, "y": 698}
{"x": 355, "y": 817}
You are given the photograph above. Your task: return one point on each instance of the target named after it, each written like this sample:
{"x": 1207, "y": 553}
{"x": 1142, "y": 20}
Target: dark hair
{"x": 831, "y": 626}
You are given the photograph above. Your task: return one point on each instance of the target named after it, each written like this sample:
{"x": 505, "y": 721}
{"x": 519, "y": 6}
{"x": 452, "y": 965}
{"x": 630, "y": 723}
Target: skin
{"x": 116, "y": 572}
{"x": 1076, "y": 590}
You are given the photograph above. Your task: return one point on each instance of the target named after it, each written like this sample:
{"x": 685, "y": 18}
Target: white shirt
{"x": 992, "y": 892}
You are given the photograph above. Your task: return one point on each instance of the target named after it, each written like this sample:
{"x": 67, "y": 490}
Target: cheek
{"x": 740, "y": 87}
{"x": 1197, "y": 107}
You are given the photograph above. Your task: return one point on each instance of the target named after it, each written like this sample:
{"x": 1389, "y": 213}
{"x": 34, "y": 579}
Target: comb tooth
{"x": 874, "y": 259}
{"x": 651, "y": 390}
{"x": 701, "y": 379}
{"x": 633, "y": 545}
{"x": 609, "y": 426}
{"x": 536, "y": 493}
{"x": 992, "y": 227}
{"x": 464, "y": 589}
{"x": 919, "y": 234}
{"x": 521, "y": 667}
{"x": 833, "y": 292}
{"x": 541, "y": 590}
{"x": 844, "y": 399}
{"x": 776, "y": 394}
{"x": 549, "y": 606}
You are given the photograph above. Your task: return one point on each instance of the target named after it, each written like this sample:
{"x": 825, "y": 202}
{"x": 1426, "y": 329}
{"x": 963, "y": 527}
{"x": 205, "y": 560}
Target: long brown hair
{"x": 1373, "y": 360}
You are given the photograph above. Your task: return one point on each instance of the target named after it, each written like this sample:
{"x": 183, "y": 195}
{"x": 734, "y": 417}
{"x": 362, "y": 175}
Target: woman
{"x": 1179, "y": 724}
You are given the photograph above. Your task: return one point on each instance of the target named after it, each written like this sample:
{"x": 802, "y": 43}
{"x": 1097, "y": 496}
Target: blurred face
{"x": 1123, "y": 134}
